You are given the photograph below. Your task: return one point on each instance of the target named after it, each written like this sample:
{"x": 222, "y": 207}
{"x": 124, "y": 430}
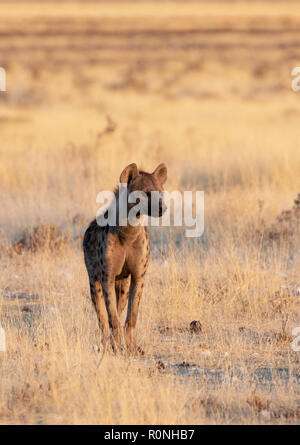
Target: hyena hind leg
{"x": 101, "y": 311}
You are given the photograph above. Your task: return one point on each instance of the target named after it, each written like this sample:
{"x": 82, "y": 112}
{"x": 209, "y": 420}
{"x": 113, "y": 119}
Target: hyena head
{"x": 145, "y": 189}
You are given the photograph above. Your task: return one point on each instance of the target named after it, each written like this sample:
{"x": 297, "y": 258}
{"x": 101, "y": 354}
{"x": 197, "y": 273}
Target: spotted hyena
{"x": 117, "y": 256}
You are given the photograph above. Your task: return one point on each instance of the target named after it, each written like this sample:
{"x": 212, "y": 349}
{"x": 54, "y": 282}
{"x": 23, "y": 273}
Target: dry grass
{"x": 205, "y": 89}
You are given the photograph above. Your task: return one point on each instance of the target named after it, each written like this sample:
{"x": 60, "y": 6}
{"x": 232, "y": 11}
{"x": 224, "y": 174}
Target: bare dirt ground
{"x": 206, "y": 88}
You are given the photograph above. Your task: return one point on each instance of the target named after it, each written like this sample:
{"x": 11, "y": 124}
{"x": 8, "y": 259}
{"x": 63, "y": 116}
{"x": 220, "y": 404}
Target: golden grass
{"x": 212, "y": 99}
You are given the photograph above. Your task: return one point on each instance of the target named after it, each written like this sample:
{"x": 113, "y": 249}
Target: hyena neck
{"x": 128, "y": 234}
{"x": 125, "y": 231}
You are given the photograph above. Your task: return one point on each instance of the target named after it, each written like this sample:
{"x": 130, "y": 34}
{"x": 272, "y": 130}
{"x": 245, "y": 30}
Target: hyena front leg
{"x": 135, "y": 293}
{"x": 99, "y": 303}
{"x": 122, "y": 290}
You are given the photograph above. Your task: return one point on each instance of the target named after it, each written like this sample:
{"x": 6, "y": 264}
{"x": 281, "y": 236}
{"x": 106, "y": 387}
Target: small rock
{"x": 195, "y": 326}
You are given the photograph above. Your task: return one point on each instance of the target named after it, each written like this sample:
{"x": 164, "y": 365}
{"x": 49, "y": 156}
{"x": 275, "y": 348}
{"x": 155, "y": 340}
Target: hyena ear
{"x": 161, "y": 173}
{"x": 129, "y": 173}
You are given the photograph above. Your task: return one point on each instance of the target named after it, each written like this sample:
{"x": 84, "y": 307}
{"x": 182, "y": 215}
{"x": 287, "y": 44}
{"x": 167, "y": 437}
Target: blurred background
{"x": 206, "y": 87}
{"x": 92, "y": 85}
